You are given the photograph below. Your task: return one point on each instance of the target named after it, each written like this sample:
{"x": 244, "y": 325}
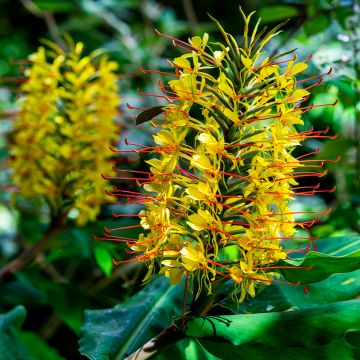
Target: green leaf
{"x": 186, "y": 349}
{"x": 278, "y": 297}
{"x": 282, "y": 335}
{"x": 149, "y": 114}
{"x": 276, "y": 13}
{"x": 55, "y": 5}
{"x": 20, "y": 291}
{"x": 321, "y": 266}
{"x": 37, "y": 347}
{"x": 68, "y": 301}
{"x": 103, "y": 259}
{"x": 112, "y": 333}
{"x": 338, "y": 350}
{"x": 316, "y": 25}
{"x": 339, "y": 245}
{"x": 10, "y": 324}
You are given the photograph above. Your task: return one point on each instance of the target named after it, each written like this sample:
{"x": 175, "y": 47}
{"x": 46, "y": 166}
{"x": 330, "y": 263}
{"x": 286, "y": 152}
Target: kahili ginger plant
{"x": 66, "y": 123}
{"x": 222, "y": 170}
{"x": 62, "y": 132}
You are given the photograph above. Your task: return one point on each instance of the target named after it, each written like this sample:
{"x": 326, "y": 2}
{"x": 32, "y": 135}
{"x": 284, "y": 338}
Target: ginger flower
{"x": 223, "y": 170}
{"x": 64, "y": 128}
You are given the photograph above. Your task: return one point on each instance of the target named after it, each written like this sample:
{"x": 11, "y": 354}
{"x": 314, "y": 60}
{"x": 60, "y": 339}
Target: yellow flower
{"x": 64, "y": 129}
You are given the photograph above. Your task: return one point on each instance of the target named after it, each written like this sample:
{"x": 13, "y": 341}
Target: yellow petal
{"x": 246, "y": 61}
{"x": 182, "y": 62}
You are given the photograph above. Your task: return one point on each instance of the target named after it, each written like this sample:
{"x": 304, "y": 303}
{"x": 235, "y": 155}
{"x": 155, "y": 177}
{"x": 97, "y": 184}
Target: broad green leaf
{"x": 338, "y": 350}
{"x": 278, "y": 297}
{"x": 10, "y": 324}
{"x": 338, "y": 246}
{"x": 283, "y": 335}
{"x": 187, "y": 349}
{"x": 37, "y": 347}
{"x": 112, "y": 333}
{"x": 322, "y": 266}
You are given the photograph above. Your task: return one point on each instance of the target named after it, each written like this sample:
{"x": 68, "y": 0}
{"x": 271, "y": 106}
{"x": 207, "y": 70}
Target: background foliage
{"x": 75, "y": 272}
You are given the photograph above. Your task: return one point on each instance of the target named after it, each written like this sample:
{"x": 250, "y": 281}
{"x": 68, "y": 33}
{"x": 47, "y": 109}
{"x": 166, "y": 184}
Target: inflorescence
{"x": 222, "y": 171}
{"x": 64, "y": 128}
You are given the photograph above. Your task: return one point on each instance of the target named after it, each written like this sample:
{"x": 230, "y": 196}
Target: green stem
{"x": 204, "y": 302}
{"x": 173, "y": 334}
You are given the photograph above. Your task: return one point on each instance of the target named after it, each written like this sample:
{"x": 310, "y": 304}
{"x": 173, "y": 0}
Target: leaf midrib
{"x": 141, "y": 325}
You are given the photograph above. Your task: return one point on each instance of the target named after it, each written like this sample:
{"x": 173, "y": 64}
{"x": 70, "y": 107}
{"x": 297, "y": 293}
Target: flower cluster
{"x": 64, "y": 129}
{"x": 217, "y": 193}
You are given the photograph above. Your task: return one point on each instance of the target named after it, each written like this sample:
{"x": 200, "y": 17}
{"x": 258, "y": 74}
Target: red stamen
{"x": 116, "y": 215}
{"x": 310, "y": 153}
{"x": 134, "y": 107}
{"x": 314, "y": 77}
{"x": 275, "y": 63}
{"x": 306, "y": 268}
{"x": 123, "y": 228}
{"x": 131, "y": 171}
{"x": 158, "y": 72}
{"x": 186, "y": 173}
{"x": 167, "y": 98}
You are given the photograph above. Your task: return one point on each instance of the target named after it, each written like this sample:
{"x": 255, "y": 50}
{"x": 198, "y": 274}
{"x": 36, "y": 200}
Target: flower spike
{"x": 223, "y": 171}
{"x": 64, "y": 128}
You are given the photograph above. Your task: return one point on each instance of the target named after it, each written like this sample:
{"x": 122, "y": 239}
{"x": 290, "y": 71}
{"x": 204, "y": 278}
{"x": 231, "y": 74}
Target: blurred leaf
{"x": 20, "y": 291}
{"x": 37, "y": 347}
{"x": 112, "y": 333}
{"x": 55, "y": 5}
{"x": 318, "y": 24}
{"x": 330, "y": 150}
{"x": 75, "y": 241}
{"x": 10, "y": 324}
{"x": 104, "y": 260}
{"x": 342, "y": 14}
{"x": 281, "y": 335}
{"x": 67, "y": 300}
{"x": 30, "y": 227}
{"x": 277, "y": 12}
{"x": 346, "y": 93}
{"x": 68, "y": 303}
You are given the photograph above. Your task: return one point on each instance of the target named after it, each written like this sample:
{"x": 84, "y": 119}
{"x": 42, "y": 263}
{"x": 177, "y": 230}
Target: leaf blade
{"x": 113, "y": 333}
{"x": 316, "y": 328}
